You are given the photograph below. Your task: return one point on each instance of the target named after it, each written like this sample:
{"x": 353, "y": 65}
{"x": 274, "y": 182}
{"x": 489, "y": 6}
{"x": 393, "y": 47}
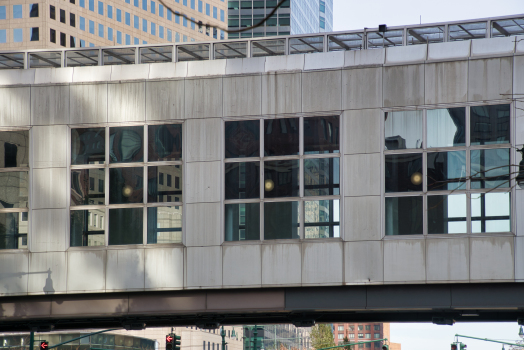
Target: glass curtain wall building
{"x": 293, "y": 17}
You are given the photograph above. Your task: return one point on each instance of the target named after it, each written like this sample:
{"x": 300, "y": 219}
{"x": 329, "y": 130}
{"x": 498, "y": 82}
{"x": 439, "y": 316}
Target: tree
{"x": 346, "y": 341}
{"x": 322, "y": 336}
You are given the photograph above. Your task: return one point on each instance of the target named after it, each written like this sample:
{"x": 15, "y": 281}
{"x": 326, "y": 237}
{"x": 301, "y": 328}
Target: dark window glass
{"x": 88, "y": 145}
{"x": 158, "y": 192}
{"x": 403, "y": 129}
{"x": 447, "y": 214}
{"x": 52, "y": 12}
{"x": 35, "y": 34}
{"x": 169, "y": 180}
{"x": 83, "y": 190}
{"x": 14, "y": 189}
{"x": 446, "y": 127}
{"x": 164, "y": 225}
{"x": 281, "y": 220}
{"x": 490, "y": 212}
{"x": 242, "y": 180}
{"x": 404, "y": 172}
{"x": 165, "y": 142}
{"x": 72, "y": 42}
{"x": 403, "y": 216}
{"x": 281, "y": 178}
{"x": 321, "y": 135}
{"x": 52, "y": 35}
{"x": 16, "y": 148}
{"x": 321, "y": 177}
{"x": 63, "y": 39}
{"x": 84, "y": 232}
{"x": 242, "y": 222}
{"x": 322, "y": 219}
{"x": 72, "y": 1}
{"x": 489, "y": 124}
{"x": 160, "y": 178}
{"x": 126, "y": 185}
{"x": 281, "y": 137}
{"x": 242, "y": 139}
{"x": 101, "y": 185}
{"x": 126, "y": 226}
{"x": 72, "y": 20}
{"x": 126, "y": 144}
{"x": 490, "y": 168}
{"x": 13, "y": 234}
{"x": 33, "y": 10}
{"x": 446, "y": 170}
{"x": 62, "y": 16}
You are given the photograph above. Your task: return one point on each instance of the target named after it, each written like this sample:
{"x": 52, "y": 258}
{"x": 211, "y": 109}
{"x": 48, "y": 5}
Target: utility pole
{"x": 223, "y": 334}
{"x": 255, "y": 334}
{"x": 31, "y": 340}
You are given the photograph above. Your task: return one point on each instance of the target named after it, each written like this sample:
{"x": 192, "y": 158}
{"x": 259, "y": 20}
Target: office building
{"x": 46, "y": 24}
{"x": 363, "y": 332}
{"x": 293, "y": 17}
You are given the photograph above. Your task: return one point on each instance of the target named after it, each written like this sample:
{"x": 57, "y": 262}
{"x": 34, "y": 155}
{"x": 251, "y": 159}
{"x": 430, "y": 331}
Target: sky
{"x": 357, "y": 14}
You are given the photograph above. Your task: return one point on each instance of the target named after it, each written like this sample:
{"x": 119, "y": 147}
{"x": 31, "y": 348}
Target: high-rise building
{"x": 43, "y": 24}
{"x": 364, "y": 332}
{"x": 293, "y": 17}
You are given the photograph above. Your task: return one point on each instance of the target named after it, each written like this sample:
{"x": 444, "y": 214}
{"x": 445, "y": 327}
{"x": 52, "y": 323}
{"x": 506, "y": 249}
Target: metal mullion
{"x": 321, "y": 155}
{"x": 275, "y": 158}
{"x": 87, "y": 166}
{"x": 145, "y": 181}
{"x": 127, "y": 165}
{"x": 164, "y": 204}
{"x": 468, "y": 172}
{"x": 86, "y": 207}
{"x": 403, "y": 151}
{"x": 320, "y": 198}
{"x": 15, "y": 210}
{"x": 242, "y": 201}
{"x": 403, "y": 194}
{"x": 283, "y": 199}
{"x": 261, "y": 195}
{"x": 126, "y": 205}
{"x": 425, "y": 172}
{"x": 492, "y": 146}
{"x": 14, "y": 170}
{"x": 165, "y": 163}
{"x": 301, "y": 230}
{"x": 106, "y": 186}
{"x": 241, "y": 160}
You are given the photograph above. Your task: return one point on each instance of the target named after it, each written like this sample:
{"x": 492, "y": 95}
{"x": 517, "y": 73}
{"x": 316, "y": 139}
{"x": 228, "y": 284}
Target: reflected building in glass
{"x": 293, "y": 17}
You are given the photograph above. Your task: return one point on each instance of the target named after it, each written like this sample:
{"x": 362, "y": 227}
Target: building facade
{"x": 362, "y": 332}
{"x": 293, "y": 17}
{"x": 277, "y": 337}
{"x": 44, "y": 24}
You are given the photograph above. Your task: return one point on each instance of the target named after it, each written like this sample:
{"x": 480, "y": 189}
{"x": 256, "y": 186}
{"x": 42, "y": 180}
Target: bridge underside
{"x": 384, "y": 303}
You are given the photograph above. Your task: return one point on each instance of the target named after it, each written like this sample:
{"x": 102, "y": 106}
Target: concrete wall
{"x": 358, "y": 85}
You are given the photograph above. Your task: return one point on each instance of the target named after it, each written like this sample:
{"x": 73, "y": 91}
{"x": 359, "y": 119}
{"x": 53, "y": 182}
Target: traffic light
{"x": 169, "y": 342}
{"x": 44, "y": 345}
{"x": 463, "y": 346}
{"x": 385, "y": 347}
{"x": 176, "y": 340}
{"x": 453, "y": 346}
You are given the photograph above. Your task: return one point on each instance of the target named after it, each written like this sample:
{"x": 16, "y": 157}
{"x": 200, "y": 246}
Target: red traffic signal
{"x": 169, "y": 338}
{"x": 453, "y": 346}
{"x": 44, "y": 345}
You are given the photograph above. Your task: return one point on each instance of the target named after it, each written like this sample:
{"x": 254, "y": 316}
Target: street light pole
{"x": 223, "y": 334}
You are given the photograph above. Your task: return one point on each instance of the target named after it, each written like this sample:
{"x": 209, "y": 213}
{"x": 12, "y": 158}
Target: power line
{"x": 199, "y": 23}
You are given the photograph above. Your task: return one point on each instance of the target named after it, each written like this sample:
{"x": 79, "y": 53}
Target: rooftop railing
{"x": 367, "y": 39}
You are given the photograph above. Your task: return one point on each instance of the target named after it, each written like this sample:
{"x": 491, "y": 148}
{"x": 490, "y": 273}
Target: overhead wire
{"x": 199, "y": 23}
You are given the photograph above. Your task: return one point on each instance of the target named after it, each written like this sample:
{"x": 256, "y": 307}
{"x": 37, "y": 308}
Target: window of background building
{"x": 3, "y": 36}
{"x": 119, "y": 15}
{"x": 92, "y": 5}
{"x": 101, "y": 30}
{"x": 131, "y": 189}
{"x": 33, "y": 10}
{"x": 72, "y": 20}
{"x": 109, "y": 33}
{"x": 18, "y": 35}
{"x": 144, "y": 5}
{"x": 82, "y": 3}
{"x": 109, "y": 11}
{"x": 3, "y": 14}
{"x": 118, "y": 37}
{"x": 153, "y": 7}
{"x": 100, "y": 8}
{"x": 63, "y": 39}
{"x": 291, "y": 208}
{"x": 161, "y": 10}
{"x": 341, "y": 328}
{"x": 72, "y": 1}
{"x": 82, "y": 23}
{"x": 52, "y": 35}
{"x": 35, "y": 34}
{"x": 367, "y": 327}
{"x": 91, "y": 27}
{"x": 430, "y": 170}
{"x": 128, "y": 19}
{"x": 72, "y": 41}
{"x": 377, "y": 335}
{"x": 62, "y": 16}
{"x": 340, "y": 336}
{"x": 17, "y": 11}
{"x": 360, "y": 327}
{"x": 377, "y": 327}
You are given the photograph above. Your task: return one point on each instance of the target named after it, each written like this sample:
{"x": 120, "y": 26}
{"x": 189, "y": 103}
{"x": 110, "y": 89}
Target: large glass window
{"x": 284, "y": 185}
{"x": 137, "y": 186}
{"x": 441, "y": 180}
{"x": 14, "y": 189}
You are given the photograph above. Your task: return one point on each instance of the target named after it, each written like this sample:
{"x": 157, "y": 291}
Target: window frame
{"x": 468, "y": 191}
{"x": 144, "y": 164}
{"x": 301, "y": 198}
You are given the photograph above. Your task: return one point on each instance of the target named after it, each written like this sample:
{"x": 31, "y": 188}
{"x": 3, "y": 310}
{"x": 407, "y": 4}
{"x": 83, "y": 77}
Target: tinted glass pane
{"x": 447, "y": 214}
{"x": 403, "y": 129}
{"x": 126, "y": 144}
{"x": 126, "y": 226}
{"x": 165, "y": 183}
{"x": 404, "y": 172}
{"x": 87, "y": 186}
{"x": 489, "y": 124}
{"x": 242, "y": 180}
{"x": 87, "y": 227}
{"x": 446, "y": 127}
{"x": 322, "y": 177}
{"x": 242, "y": 222}
{"x": 13, "y": 189}
{"x": 14, "y": 146}
{"x": 242, "y": 139}
{"x": 281, "y": 220}
{"x": 403, "y": 216}
{"x": 281, "y": 178}
{"x": 126, "y": 185}
{"x": 490, "y": 168}
{"x": 165, "y": 142}
{"x": 322, "y": 219}
{"x": 281, "y": 137}
{"x": 88, "y": 146}
{"x": 446, "y": 170}
{"x": 321, "y": 135}
{"x": 490, "y": 212}
{"x": 13, "y": 230}
{"x": 164, "y": 225}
